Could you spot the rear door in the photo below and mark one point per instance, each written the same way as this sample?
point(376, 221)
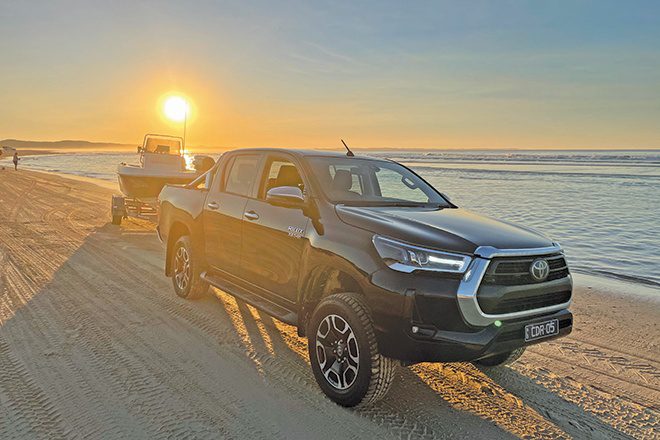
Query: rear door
point(274, 236)
point(223, 212)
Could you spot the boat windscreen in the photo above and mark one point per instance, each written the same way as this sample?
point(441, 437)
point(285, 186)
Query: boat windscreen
point(163, 145)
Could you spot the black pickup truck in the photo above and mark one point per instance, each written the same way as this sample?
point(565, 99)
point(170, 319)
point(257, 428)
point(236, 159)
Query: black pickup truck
point(370, 262)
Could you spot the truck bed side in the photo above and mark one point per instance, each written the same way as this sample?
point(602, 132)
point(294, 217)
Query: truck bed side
point(181, 210)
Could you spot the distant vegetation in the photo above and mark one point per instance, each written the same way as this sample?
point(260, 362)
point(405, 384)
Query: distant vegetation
point(64, 145)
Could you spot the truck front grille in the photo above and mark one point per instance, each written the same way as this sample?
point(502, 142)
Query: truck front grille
point(508, 286)
point(515, 271)
point(516, 303)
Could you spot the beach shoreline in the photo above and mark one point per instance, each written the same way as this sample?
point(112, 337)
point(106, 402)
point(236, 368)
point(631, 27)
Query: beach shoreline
point(107, 184)
point(86, 311)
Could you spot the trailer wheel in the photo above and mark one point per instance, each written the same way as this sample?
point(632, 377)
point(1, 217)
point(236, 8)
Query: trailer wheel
point(186, 271)
point(117, 209)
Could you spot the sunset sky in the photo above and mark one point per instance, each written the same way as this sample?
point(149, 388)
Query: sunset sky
point(461, 74)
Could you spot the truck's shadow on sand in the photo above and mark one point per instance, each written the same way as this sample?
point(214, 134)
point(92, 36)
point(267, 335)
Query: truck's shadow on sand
point(415, 402)
point(103, 335)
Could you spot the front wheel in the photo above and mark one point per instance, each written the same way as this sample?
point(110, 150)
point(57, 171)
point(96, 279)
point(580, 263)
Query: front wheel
point(186, 270)
point(343, 352)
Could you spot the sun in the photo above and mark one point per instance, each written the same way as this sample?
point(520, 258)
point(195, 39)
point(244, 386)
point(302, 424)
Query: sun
point(176, 108)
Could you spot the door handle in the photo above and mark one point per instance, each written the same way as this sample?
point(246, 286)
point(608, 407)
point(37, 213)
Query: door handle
point(213, 205)
point(251, 215)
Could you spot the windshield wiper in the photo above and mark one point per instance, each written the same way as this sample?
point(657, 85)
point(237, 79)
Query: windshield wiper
point(386, 204)
point(415, 205)
point(403, 204)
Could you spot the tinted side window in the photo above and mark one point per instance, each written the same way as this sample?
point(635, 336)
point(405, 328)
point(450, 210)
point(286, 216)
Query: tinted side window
point(242, 174)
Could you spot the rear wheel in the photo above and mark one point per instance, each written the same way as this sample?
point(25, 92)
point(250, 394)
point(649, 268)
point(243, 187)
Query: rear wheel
point(186, 270)
point(502, 358)
point(343, 352)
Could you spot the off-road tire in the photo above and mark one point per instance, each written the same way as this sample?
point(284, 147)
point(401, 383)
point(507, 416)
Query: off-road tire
point(116, 220)
point(375, 372)
point(194, 287)
point(501, 359)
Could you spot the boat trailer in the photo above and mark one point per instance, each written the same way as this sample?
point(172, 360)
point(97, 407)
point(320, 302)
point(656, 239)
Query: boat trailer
point(125, 207)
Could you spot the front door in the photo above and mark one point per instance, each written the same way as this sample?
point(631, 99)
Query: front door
point(223, 212)
point(274, 236)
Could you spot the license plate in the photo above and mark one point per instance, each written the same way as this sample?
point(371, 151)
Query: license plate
point(541, 330)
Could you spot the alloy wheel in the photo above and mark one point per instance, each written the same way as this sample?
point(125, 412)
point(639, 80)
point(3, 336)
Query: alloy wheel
point(182, 268)
point(337, 352)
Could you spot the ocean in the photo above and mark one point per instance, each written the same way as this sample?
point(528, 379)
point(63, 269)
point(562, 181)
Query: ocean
point(603, 207)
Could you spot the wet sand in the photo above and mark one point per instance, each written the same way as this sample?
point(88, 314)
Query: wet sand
point(95, 344)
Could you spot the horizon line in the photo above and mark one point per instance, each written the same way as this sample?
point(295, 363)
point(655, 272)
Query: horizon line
point(216, 147)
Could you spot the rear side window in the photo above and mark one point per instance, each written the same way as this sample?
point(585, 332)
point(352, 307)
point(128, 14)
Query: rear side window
point(241, 175)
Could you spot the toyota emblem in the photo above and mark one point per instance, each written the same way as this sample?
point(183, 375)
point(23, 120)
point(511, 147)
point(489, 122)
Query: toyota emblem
point(539, 269)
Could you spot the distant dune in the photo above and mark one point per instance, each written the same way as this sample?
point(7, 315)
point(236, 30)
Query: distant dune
point(64, 145)
point(77, 145)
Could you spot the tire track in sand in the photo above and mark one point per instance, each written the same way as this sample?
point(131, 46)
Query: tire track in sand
point(27, 412)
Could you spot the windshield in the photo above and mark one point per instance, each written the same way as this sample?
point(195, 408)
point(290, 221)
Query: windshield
point(163, 145)
point(357, 181)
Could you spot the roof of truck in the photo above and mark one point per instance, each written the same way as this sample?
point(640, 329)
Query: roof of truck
point(300, 152)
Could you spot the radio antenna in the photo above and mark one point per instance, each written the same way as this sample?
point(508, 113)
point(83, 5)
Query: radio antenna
point(349, 153)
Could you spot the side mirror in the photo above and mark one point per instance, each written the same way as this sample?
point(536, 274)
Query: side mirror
point(287, 196)
point(139, 149)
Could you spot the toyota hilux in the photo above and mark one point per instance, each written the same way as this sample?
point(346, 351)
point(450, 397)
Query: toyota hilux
point(370, 262)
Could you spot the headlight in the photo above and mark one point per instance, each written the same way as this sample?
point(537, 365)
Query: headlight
point(407, 258)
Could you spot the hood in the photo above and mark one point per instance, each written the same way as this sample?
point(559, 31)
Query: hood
point(449, 229)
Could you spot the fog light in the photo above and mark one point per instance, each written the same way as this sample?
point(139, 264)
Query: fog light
point(415, 329)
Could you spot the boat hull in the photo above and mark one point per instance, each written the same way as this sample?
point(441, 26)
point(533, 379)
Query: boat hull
point(147, 187)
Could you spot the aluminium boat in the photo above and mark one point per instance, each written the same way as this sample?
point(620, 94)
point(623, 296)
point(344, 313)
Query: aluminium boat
point(162, 162)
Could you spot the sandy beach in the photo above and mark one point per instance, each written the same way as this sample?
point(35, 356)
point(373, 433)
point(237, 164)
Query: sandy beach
point(95, 344)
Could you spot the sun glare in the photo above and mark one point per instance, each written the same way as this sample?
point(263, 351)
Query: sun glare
point(176, 108)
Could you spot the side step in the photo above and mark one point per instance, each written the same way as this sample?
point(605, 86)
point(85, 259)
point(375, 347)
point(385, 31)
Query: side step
point(273, 309)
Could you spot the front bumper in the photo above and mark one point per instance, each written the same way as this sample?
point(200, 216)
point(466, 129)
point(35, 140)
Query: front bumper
point(430, 344)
